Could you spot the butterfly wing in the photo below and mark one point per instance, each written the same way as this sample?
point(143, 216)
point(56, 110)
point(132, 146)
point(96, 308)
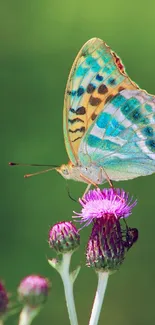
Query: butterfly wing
point(122, 139)
point(96, 76)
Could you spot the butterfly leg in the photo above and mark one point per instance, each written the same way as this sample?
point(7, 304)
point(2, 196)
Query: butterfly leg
point(103, 172)
point(87, 189)
point(89, 181)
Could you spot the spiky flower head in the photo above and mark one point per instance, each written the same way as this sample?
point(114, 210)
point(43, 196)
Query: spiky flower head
point(109, 241)
point(4, 301)
point(64, 237)
point(33, 290)
point(105, 204)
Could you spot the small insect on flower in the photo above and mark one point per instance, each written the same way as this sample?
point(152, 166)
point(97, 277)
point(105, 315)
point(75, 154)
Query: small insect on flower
point(131, 237)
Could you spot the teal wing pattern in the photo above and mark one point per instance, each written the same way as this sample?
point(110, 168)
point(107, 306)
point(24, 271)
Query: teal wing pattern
point(122, 138)
point(96, 76)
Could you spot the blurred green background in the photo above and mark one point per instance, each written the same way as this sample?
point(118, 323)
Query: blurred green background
point(38, 43)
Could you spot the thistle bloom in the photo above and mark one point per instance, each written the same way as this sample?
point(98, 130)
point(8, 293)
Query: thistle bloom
point(33, 290)
point(64, 237)
point(105, 204)
point(108, 241)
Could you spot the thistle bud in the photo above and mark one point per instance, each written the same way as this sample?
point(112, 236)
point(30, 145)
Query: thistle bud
point(64, 237)
point(33, 290)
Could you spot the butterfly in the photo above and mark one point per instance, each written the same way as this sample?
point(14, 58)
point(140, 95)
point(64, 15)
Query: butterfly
point(108, 121)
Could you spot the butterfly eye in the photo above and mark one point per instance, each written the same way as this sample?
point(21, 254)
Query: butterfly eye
point(65, 171)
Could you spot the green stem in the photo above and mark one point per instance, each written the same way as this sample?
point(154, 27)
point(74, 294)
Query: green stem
point(68, 288)
point(101, 288)
point(1, 322)
point(27, 315)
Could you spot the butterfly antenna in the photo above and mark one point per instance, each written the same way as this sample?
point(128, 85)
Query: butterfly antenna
point(38, 173)
point(34, 165)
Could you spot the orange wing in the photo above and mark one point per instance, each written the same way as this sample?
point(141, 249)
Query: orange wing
point(96, 76)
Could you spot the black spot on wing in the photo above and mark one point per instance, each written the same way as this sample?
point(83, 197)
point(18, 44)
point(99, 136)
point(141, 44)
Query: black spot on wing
point(94, 101)
point(79, 111)
point(93, 117)
point(76, 139)
point(99, 78)
point(80, 91)
point(82, 129)
point(71, 92)
point(90, 88)
point(74, 120)
point(102, 89)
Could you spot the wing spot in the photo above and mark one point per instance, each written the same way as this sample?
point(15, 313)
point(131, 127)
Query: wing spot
point(102, 89)
point(93, 117)
point(151, 144)
point(135, 115)
point(121, 88)
point(112, 81)
point(109, 98)
point(80, 91)
point(71, 92)
point(79, 111)
point(99, 78)
point(94, 101)
point(74, 120)
point(76, 139)
point(148, 131)
point(118, 62)
point(82, 129)
point(90, 88)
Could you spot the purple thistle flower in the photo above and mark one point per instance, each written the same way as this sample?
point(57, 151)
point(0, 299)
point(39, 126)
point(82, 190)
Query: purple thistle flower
point(105, 204)
point(33, 290)
point(109, 241)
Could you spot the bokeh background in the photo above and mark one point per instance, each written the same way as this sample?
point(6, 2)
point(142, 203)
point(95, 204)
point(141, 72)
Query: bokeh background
point(38, 43)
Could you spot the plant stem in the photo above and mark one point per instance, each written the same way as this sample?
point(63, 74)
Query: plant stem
point(1, 322)
point(101, 288)
point(27, 314)
point(68, 288)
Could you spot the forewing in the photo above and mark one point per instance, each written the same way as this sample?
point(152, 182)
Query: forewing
point(96, 76)
point(122, 139)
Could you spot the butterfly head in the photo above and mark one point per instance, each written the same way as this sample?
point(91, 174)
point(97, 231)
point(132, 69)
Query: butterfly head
point(65, 170)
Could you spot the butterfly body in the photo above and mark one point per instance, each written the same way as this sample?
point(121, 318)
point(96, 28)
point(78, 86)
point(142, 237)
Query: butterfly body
point(109, 122)
point(89, 174)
